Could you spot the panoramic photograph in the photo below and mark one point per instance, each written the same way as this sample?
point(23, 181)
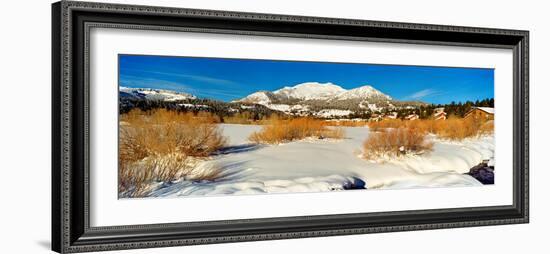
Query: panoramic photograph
point(197, 126)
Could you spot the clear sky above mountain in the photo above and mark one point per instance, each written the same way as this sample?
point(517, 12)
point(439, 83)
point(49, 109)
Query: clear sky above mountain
point(230, 79)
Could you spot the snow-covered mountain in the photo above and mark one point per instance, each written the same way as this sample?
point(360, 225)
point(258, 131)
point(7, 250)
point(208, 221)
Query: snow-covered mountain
point(314, 91)
point(310, 91)
point(261, 97)
point(153, 94)
point(325, 99)
point(301, 92)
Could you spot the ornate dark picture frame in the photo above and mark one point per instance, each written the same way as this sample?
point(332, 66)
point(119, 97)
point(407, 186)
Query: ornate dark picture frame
point(71, 230)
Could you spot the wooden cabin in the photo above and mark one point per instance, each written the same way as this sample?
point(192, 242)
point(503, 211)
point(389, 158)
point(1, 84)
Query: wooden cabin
point(412, 117)
point(439, 114)
point(485, 113)
point(375, 118)
point(391, 115)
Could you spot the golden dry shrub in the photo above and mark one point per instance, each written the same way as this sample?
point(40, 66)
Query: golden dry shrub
point(155, 145)
point(487, 127)
point(135, 178)
point(334, 133)
point(239, 118)
point(280, 131)
point(385, 124)
point(347, 123)
point(455, 128)
point(163, 132)
point(167, 167)
point(395, 142)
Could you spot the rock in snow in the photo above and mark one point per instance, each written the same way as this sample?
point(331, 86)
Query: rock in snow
point(483, 173)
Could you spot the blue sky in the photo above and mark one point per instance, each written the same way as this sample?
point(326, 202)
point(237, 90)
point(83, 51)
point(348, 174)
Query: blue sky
point(230, 79)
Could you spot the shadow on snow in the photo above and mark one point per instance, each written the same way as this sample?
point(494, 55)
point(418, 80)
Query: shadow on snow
point(237, 149)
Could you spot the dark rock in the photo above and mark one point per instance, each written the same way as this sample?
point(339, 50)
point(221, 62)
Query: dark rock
point(357, 184)
point(483, 173)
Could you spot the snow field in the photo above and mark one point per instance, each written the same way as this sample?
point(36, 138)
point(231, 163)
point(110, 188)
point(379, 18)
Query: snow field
point(313, 165)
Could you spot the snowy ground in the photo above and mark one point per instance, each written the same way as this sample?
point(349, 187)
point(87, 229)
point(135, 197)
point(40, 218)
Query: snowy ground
point(325, 165)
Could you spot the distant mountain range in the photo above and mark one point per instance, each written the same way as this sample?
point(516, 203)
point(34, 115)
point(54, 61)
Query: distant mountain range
point(313, 91)
point(326, 100)
point(310, 98)
point(153, 94)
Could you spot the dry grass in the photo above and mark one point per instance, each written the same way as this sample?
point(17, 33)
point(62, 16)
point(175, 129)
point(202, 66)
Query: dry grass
point(395, 142)
point(458, 128)
point(248, 118)
point(385, 124)
point(165, 132)
point(281, 131)
point(239, 118)
point(157, 145)
point(454, 128)
point(133, 180)
point(343, 123)
point(395, 137)
point(488, 127)
point(135, 176)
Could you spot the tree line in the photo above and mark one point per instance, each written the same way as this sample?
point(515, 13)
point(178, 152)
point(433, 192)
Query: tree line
point(258, 112)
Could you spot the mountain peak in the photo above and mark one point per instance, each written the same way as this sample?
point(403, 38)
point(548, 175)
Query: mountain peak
point(310, 91)
point(365, 87)
point(320, 95)
point(316, 84)
point(260, 97)
point(363, 92)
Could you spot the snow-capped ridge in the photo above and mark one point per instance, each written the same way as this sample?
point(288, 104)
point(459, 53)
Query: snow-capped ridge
point(315, 96)
point(362, 92)
point(260, 97)
point(154, 94)
point(310, 91)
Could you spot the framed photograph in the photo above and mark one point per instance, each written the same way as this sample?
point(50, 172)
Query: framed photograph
point(181, 126)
